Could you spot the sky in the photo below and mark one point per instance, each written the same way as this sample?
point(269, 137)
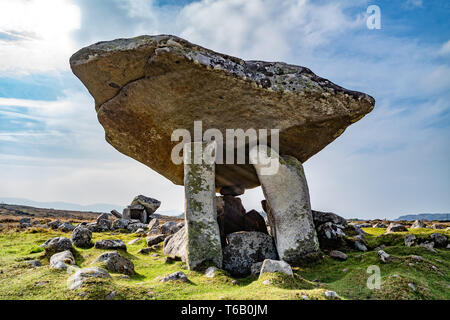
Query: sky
point(394, 161)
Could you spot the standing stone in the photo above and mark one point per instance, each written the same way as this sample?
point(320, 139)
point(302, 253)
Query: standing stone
point(288, 197)
point(202, 229)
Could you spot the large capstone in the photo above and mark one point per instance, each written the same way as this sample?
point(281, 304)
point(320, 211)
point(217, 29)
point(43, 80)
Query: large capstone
point(203, 236)
point(286, 192)
point(146, 87)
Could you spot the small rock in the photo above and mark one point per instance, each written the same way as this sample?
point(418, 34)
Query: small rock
point(266, 282)
point(331, 294)
point(256, 268)
point(66, 227)
point(384, 257)
point(114, 262)
point(380, 225)
point(62, 259)
point(338, 255)
point(437, 226)
point(81, 237)
point(211, 272)
point(120, 224)
point(276, 266)
point(153, 226)
point(394, 227)
point(151, 240)
point(412, 286)
point(54, 224)
point(133, 227)
point(360, 246)
point(428, 245)
point(56, 245)
point(440, 240)
point(110, 244)
point(345, 270)
point(81, 276)
point(134, 241)
point(234, 282)
point(110, 295)
point(410, 240)
point(305, 297)
point(418, 224)
point(34, 263)
point(179, 275)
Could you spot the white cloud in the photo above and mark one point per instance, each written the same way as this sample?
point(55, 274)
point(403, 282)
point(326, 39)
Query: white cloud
point(445, 49)
point(38, 35)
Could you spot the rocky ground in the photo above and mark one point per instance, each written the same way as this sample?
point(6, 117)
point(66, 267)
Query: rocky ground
point(42, 259)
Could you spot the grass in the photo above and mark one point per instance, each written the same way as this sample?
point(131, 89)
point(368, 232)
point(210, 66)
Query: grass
point(348, 278)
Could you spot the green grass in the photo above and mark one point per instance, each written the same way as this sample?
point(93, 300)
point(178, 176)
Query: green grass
point(20, 281)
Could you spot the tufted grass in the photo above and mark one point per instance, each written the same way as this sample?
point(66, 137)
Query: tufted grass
point(20, 281)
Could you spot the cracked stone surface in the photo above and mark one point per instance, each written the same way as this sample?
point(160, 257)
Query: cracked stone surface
point(148, 86)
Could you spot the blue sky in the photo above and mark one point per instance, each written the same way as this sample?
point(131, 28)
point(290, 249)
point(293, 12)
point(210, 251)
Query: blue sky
point(392, 162)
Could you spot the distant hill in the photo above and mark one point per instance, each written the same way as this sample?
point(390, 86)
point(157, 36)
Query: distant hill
point(98, 207)
point(426, 216)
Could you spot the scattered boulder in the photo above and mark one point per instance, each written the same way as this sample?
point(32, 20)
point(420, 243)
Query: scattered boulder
point(81, 237)
point(357, 228)
point(56, 245)
point(150, 205)
point(410, 240)
point(359, 245)
point(330, 236)
point(54, 224)
point(270, 265)
point(110, 244)
point(134, 241)
point(176, 276)
point(428, 245)
point(384, 257)
point(365, 225)
point(77, 280)
point(104, 224)
point(34, 263)
point(379, 225)
point(338, 255)
point(115, 262)
point(438, 226)
point(62, 259)
point(320, 217)
point(151, 240)
point(134, 226)
point(175, 245)
point(211, 272)
point(120, 224)
point(440, 240)
point(418, 224)
point(395, 227)
point(103, 216)
point(25, 222)
point(116, 214)
point(331, 294)
point(66, 227)
point(167, 228)
point(153, 226)
point(246, 248)
point(232, 190)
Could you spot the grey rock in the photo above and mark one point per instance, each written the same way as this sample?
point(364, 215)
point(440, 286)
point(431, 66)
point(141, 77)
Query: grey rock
point(116, 214)
point(418, 224)
point(365, 225)
point(77, 280)
point(66, 227)
point(104, 225)
point(103, 216)
point(440, 240)
point(395, 227)
point(276, 266)
point(245, 249)
point(120, 224)
point(110, 244)
point(410, 240)
point(437, 226)
point(232, 191)
point(34, 263)
point(379, 225)
point(81, 237)
point(166, 228)
point(62, 260)
point(357, 228)
point(111, 295)
point(331, 294)
point(256, 268)
point(384, 257)
point(150, 204)
point(153, 226)
point(175, 245)
point(151, 240)
point(133, 227)
point(176, 276)
point(25, 222)
point(54, 224)
point(320, 217)
point(338, 255)
point(56, 245)
point(287, 195)
point(115, 262)
point(360, 246)
point(134, 241)
point(412, 286)
point(428, 245)
point(211, 272)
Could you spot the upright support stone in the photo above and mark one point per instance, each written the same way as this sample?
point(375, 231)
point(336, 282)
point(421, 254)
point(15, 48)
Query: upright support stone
point(203, 236)
point(286, 191)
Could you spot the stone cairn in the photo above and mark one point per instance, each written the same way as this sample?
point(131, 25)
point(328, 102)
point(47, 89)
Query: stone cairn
point(147, 87)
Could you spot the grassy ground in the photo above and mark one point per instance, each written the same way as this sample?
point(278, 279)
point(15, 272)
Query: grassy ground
point(431, 276)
